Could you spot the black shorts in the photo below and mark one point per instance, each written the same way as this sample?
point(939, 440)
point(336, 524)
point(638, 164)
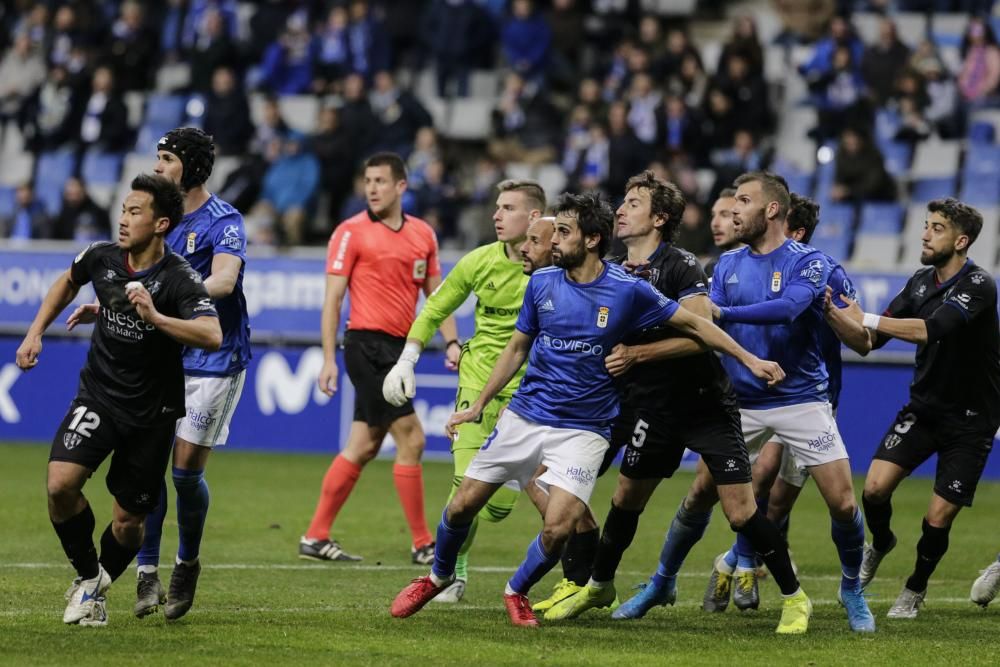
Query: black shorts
point(368, 357)
point(962, 444)
point(88, 434)
point(654, 445)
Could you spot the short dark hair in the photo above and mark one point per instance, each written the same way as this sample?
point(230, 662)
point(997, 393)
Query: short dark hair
point(665, 200)
point(593, 215)
point(774, 187)
point(531, 190)
point(391, 160)
point(803, 213)
point(963, 216)
point(727, 193)
point(168, 200)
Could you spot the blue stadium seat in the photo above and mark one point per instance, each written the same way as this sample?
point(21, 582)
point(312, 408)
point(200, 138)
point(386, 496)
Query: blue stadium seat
point(982, 159)
point(165, 110)
point(7, 201)
point(51, 173)
point(898, 156)
point(799, 181)
point(835, 230)
point(881, 218)
point(980, 191)
point(887, 122)
point(926, 189)
point(982, 132)
point(100, 168)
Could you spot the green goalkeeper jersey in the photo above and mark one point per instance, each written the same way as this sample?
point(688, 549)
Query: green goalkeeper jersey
point(498, 284)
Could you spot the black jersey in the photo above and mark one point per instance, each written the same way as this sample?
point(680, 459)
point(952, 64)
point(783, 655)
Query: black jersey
point(958, 369)
point(683, 384)
point(134, 370)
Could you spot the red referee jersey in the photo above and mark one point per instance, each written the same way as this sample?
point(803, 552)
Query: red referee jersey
point(385, 270)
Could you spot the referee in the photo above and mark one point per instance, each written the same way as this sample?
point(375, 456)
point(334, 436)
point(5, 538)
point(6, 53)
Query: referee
point(385, 258)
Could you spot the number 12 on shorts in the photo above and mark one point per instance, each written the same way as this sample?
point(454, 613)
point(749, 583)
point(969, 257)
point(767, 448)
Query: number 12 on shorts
point(84, 421)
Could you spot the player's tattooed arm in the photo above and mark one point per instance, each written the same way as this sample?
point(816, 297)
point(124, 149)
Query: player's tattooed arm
point(623, 357)
point(510, 361)
point(60, 295)
point(850, 332)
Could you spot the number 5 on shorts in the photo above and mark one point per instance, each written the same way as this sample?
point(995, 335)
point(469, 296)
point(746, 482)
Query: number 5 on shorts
point(639, 434)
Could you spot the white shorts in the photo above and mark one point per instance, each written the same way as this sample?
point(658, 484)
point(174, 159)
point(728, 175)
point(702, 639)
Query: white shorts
point(210, 403)
point(516, 448)
point(790, 471)
point(809, 431)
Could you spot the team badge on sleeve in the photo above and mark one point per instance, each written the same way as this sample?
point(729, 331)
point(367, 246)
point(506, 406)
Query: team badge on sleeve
point(813, 273)
point(602, 317)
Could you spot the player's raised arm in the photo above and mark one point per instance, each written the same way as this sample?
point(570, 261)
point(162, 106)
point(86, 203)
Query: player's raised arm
point(714, 337)
point(849, 331)
point(60, 295)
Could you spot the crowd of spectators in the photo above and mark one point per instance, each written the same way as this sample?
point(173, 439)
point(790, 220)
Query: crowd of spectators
point(599, 88)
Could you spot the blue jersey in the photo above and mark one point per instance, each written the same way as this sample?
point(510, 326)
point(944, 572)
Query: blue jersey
point(743, 279)
point(574, 326)
point(840, 283)
point(217, 227)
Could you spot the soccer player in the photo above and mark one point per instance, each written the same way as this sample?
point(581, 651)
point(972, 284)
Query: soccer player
point(786, 478)
point(560, 415)
point(723, 231)
point(949, 310)
point(987, 585)
point(670, 404)
point(496, 275)
point(131, 391)
point(385, 258)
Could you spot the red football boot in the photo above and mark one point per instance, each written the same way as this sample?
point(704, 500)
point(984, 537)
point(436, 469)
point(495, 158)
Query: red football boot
point(412, 598)
point(519, 610)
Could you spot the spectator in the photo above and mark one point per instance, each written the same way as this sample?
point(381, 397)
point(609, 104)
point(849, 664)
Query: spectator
point(80, 219)
point(399, 115)
point(227, 114)
point(689, 83)
point(104, 124)
point(475, 221)
point(884, 61)
point(437, 199)
point(54, 114)
point(678, 47)
point(356, 202)
point(266, 26)
point(859, 173)
point(526, 38)
point(288, 194)
point(744, 43)
point(589, 95)
point(288, 62)
point(357, 117)
point(213, 48)
point(616, 70)
point(465, 26)
point(194, 19)
point(524, 125)
point(942, 93)
point(718, 120)
point(626, 154)
point(65, 36)
point(679, 131)
point(271, 127)
point(425, 151)
point(980, 73)
point(566, 20)
point(803, 21)
point(370, 48)
point(913, 125)
point(22, 71)
point(644, 101)
point(821, 64)
point(333, 55)
point(651, 38)
point(577, 138)
point(839, 96)
point(335, 149)
point(34, 24)
point(133, 48)
point(749, 95)
point(729, 163)
point(28, 220)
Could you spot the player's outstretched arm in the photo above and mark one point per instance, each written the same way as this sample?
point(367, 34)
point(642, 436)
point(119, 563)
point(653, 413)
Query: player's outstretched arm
point(850, 332)
point(60, 295)
point(711, 335)
point(510, 361)
point(333, 301)
point(623, 357)
point(910, 329)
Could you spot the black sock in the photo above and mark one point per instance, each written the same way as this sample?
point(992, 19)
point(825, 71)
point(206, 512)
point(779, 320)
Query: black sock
point(115, 557)
point(771, 548)
point(930, 550)
point(77, 537)
point(579, 556)
point(878, 516)
point(619, 529)
point(783, 526)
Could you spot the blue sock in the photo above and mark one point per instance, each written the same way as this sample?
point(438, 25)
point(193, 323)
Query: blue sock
point(685, 531)
point(192, 508)
point(849, 536)
point(450, 539)
point(149, 553)
point(731, 558)
point(536, 565)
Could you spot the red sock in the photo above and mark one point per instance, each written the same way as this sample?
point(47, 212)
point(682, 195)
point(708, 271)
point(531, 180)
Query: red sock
point(410, 487)
point(337, 485)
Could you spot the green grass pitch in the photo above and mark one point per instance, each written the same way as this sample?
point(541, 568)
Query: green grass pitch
point(258, 604)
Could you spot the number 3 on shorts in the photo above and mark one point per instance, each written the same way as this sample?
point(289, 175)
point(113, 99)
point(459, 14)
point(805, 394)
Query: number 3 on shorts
point(639, 434)
point(489, 440)
point(905, 424)
point(84, 421)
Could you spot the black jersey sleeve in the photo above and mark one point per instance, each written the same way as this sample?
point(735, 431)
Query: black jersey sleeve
point(899, 308)
point(80, 271)
point(190, 298)
point(689, 278)
point(971, 296)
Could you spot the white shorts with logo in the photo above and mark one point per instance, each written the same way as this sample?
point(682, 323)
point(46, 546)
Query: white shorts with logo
point(210, 403)
point(517, 446)
point(807, 431)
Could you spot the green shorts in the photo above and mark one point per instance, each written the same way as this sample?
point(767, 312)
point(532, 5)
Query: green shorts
point(472, 435)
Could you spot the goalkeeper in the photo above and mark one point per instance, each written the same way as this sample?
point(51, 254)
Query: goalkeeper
point(497, 274)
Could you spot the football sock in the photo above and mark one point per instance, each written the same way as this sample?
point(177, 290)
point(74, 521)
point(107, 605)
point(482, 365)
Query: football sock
point(410, 487)
point(536, 565)
point(500, 506)
point(746, 555)
point(930, 549)
point(730, 558)
point(462, 562)
point(685, 531)
point(783, 523)
point(77, 537)
point(115, 556)
point(149, 553)
point(878, 516)
point(849, 536)
point(450, 538)
point(767, 542)
point(578, 556)
point(192, 508)
point(619, 531)
point(338, 483)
